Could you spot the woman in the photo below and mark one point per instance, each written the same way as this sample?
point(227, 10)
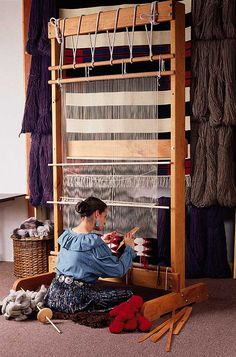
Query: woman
point(84, 257)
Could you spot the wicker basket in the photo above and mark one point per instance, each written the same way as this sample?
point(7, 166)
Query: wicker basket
point(31, 255)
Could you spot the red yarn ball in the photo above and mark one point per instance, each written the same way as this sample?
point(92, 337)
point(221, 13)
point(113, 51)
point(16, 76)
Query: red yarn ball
point(144, 324)
point(136, 302)
point(117, 309)
point(116, 326)
point(126, 314)
point(131, 325)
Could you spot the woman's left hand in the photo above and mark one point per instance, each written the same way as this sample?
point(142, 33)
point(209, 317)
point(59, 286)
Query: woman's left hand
point(107, 238)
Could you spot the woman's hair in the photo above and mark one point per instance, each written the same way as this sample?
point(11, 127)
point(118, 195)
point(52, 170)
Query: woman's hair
point(91, 204)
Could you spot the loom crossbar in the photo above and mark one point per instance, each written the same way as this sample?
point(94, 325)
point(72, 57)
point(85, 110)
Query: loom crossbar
point(110, 77)
point(113, 62)
point(160, 149)
point(107, 19)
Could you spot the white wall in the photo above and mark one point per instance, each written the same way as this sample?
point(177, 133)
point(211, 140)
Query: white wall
point(12, 97)
point(12, 214)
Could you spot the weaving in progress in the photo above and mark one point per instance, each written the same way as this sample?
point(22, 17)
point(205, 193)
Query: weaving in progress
point(111, 139)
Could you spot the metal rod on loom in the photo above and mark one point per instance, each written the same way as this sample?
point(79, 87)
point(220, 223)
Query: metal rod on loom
point(110, 163)
point(110, 77)
point(113, 62)
point(113, 204)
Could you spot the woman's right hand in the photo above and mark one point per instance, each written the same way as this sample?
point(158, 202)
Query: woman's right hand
point(129, 240)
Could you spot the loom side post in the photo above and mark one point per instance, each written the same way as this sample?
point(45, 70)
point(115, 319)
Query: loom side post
point(177, 143)
point(57, 146)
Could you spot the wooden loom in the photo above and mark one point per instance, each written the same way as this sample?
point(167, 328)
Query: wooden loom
point(172, 279)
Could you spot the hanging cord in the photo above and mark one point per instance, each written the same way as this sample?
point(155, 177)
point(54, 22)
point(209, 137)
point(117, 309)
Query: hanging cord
point(61, 58)
point(159, 72)
point(161, 68)
point(75, 46)
point(166, 279)
point(111, 45)
point(93, 44)
point(149, 33)
point(56, 24)
point(131, 41)
point(123, 67)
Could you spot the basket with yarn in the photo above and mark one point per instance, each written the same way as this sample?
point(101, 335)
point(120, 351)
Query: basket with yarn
point(32, 243)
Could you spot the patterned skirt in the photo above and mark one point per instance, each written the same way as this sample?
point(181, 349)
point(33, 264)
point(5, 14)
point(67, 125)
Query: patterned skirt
point(71, 298)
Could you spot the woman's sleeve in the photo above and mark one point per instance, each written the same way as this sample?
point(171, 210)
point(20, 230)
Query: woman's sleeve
point(108, 265)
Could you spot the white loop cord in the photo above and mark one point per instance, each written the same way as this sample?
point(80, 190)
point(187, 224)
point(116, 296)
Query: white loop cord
point(75, 46)
point(93, 45)
point(111, 45)
point(149, 33)
point(161, 68)
point(131, 42)
point(166, 278)
point(123, 68)
point(153, 13)
point(56, 24)
point(61, 58)
point(149, 39)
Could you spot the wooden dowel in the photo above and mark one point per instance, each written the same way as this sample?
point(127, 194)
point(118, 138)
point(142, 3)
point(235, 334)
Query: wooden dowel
point(158, 328)
point(114, 204)
point(183, 321)
point(169, 337)
point(110, 164)
point(111, 77)
point(113, 62)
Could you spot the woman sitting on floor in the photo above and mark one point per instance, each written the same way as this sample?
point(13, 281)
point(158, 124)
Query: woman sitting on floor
point(84, 257)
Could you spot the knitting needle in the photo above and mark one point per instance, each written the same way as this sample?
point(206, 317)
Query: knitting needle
point(158, 328)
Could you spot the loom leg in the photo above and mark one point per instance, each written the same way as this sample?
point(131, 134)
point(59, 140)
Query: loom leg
point(155, 308)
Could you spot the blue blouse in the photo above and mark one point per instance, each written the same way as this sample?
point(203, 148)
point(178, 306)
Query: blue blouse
point(86, 257)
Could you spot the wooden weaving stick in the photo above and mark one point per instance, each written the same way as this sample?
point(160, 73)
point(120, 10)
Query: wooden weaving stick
point(158, 328)
point(170, 334)
point(132, 231)
point(183, 321)
point(157, 336)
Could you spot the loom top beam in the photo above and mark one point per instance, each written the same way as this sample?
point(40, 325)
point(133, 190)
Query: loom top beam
point(107, 19)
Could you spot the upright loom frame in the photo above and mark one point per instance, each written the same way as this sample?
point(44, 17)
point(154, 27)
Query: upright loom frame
point(173, 278)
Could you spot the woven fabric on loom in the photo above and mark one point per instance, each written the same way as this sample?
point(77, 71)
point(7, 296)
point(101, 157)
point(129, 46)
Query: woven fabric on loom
point(93, 101)
point(161, 44)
